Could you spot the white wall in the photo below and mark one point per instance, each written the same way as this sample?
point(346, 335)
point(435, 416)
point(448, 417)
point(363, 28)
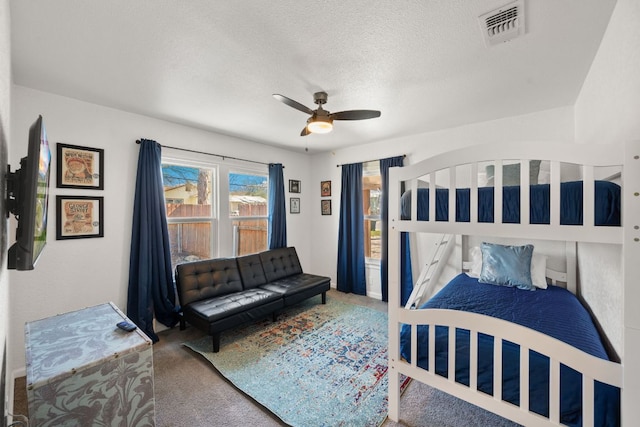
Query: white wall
point(549, 125)
point(5, 86)
point(74, 274)
point(608, 111)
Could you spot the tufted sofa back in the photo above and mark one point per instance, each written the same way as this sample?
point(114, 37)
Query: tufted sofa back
point(280, 263)
point(251, 271)
point(200, 280)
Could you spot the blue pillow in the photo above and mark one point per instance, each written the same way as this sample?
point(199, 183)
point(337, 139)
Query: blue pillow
point(506, 265)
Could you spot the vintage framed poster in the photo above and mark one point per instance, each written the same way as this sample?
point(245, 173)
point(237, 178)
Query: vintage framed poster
point(325, 188)
point(294, 205)
point(294, 186)
point(326, 206)
point(79, 217)
point(80, 167)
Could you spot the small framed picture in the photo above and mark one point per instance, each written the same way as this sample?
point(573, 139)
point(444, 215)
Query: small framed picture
point(326, 207)
point(80, 167)
point(325, 188)
point(79, 217)
point(294, 205)
point(294, 186)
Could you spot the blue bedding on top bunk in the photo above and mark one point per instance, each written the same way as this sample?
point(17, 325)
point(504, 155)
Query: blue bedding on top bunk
point(607, 204)
point(553, 311)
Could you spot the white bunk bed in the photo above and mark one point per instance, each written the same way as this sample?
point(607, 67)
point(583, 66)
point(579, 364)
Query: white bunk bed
point(467, 162)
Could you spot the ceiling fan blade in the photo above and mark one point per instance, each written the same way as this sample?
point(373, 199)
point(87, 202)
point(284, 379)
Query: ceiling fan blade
point(355, 115)
point(305, 132)
point(291, 103)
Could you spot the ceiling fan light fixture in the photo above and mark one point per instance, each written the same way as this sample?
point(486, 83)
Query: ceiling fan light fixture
point(320, 125)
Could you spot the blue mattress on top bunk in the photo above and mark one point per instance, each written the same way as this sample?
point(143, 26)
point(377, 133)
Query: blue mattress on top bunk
point(607, 204)
point(553, 311)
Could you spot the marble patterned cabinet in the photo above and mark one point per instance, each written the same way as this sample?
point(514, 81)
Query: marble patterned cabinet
point(84, 371)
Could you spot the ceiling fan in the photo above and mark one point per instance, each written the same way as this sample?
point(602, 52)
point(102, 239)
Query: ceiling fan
point(321, 120)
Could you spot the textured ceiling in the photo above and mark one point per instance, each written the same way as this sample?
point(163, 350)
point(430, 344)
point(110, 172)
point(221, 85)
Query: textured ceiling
point(215, 64)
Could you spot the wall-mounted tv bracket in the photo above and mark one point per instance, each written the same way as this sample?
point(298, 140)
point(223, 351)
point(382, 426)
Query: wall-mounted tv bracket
point(13, 191)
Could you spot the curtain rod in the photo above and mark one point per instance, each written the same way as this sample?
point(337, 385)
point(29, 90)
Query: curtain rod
point(211, 154)
point(367, 161)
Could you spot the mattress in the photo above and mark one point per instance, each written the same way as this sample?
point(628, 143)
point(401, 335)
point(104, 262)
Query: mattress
point(606, 211)
point(553, 311)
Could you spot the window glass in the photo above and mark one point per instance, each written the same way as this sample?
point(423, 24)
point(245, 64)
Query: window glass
point(190, 241)
point(188, 193)
point(248, 209)
point(250, 236)
point(372, 191)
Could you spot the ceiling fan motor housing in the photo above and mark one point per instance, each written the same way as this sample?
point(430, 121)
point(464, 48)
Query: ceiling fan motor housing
point(320, 97)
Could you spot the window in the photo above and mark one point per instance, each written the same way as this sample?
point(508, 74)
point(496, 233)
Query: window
point(371, 192)
point(198, 196)
point(248, 211)
point(188, 192)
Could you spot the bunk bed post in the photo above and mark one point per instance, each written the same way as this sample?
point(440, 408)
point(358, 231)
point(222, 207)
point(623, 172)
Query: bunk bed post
point(631, 292)
point(395, 290)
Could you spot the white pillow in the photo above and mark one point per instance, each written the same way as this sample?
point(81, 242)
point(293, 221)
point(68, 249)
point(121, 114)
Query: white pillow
point(539, 271)
point(476, 262)
point(538, 267)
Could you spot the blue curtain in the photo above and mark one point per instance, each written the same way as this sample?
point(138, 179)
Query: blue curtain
point(151, 286)
point(351, 268)
point(277, 231)
point(385, 164)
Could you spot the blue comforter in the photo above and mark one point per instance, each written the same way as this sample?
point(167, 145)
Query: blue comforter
point(607, 204)
point(553, 311)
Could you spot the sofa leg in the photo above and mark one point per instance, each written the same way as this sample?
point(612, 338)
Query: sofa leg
point(274, 316)
point(324, 297)
point(183, 323)
point(216, 342)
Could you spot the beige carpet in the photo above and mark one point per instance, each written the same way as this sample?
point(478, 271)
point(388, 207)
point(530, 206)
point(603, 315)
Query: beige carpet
point(190, 392)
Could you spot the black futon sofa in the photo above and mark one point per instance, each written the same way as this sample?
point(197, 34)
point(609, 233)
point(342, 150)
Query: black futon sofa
point(219, 294)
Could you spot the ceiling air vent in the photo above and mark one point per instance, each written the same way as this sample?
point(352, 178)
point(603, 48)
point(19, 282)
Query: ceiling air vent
point(503, 24)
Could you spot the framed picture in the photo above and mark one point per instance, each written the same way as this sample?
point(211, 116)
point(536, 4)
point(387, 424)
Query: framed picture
point(326, 207)
point(79, 217)
point(80, 167)
point(325, 188)
point(294, 205)
point(294, 186)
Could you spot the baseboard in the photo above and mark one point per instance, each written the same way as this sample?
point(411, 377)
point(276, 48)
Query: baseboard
point(375, 295)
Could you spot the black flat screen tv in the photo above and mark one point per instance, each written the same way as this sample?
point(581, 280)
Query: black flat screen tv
point(28, 200)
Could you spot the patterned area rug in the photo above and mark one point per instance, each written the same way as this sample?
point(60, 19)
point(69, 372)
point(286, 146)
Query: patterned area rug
point(317, 365)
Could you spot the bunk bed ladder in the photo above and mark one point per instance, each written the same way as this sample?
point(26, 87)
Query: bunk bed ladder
point(430, 272)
